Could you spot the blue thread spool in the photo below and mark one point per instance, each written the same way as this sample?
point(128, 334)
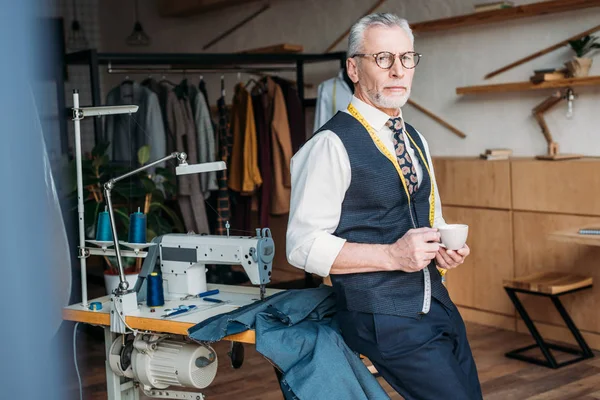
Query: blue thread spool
point(154, 294)
point(103, 229)
point(137, 227)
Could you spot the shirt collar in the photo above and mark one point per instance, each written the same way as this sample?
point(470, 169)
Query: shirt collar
point(374, 117)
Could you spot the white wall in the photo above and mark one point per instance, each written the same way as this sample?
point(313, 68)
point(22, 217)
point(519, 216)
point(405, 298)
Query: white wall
point(452, 58)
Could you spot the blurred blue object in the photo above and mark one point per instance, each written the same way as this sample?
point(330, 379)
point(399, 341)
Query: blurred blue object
point(36, 259)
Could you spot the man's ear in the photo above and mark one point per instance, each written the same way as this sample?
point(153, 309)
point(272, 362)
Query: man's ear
point(352, 68)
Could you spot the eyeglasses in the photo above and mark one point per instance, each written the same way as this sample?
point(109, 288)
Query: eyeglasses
point(385, 59)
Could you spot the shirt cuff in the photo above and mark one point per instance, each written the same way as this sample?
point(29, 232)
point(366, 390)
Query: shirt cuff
point(323, 253)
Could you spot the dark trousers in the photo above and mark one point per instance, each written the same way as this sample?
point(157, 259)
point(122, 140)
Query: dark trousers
point(424, 358)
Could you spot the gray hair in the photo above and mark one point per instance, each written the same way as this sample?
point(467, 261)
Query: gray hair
point(357, 32)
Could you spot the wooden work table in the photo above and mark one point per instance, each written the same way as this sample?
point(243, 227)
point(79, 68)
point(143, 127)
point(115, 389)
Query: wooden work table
point(145, 320)
point(573, 236)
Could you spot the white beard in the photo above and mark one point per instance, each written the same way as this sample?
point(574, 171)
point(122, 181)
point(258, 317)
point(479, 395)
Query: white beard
point(389, 101)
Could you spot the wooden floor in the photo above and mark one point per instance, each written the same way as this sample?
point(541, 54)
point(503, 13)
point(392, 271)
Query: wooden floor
point(501, 377)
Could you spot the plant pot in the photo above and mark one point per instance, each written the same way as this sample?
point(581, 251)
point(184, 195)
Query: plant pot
point(579, 67)
point(111, 280)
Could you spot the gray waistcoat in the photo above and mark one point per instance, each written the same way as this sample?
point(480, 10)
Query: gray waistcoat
point(376, 210)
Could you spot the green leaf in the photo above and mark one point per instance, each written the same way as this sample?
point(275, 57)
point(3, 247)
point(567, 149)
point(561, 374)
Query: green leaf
point(150, 234)
point(144, 154)
point(100, 148)
point(148, 184)
point(130, 192)
point(158, 196)
point(166, 172)
point(123, 218)
point(178, 225)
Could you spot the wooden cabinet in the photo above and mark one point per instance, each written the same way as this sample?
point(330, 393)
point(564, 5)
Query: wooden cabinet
point(512, 207)
point(478, 282)
point(566, 187)
point(470, 182)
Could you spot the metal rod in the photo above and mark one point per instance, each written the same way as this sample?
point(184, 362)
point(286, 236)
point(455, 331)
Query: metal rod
point(236, 26)
point(80, 208)
point(123, 284)
point(531, 327)
point(587, 352)
point(204, 59)
point(142, 168)
point(95, 85)
point(300, 79)
point(108, 186)
point(251, 70)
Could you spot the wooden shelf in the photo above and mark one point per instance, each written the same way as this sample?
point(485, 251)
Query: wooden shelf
point(522, 86)
point(507, 14)
point(572, 236)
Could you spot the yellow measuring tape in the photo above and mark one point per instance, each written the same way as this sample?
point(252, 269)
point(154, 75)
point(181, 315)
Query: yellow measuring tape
point(354, 112)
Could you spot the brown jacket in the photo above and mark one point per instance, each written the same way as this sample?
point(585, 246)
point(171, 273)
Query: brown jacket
point(244, 174)
point(282, 149)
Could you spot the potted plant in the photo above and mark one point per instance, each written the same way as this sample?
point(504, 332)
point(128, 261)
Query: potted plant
point(580, 65)
point(140, 191)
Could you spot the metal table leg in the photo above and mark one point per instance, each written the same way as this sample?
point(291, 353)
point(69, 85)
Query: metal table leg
point(117, 388)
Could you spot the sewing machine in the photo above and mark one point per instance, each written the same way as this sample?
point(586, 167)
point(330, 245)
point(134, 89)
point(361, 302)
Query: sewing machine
point(154, 361)
point(183, 259)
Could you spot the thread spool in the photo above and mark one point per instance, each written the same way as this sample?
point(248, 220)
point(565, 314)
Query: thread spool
point(154, 295)
point(103, 229)
point(137, 227)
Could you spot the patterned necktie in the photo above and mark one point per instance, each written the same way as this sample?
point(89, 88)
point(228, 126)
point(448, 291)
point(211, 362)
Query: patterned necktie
point(404, 160)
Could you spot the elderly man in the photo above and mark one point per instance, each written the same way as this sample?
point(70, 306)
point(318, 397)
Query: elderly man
point(364, 208)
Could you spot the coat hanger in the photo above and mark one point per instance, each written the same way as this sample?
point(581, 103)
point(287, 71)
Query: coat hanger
point(165, 80)
point(127, 81)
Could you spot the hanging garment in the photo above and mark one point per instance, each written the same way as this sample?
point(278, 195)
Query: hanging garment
point(333, 95)
point(281, 149)
point(166, 98)
point(224, 137)
point(127, 133)
point(244, 175)
point(260, 103)
point(295, 112)
point(189, 196)
point(205, 140)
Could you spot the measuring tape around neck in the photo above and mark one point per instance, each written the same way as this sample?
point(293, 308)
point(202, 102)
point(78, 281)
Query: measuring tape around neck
point(354, 112)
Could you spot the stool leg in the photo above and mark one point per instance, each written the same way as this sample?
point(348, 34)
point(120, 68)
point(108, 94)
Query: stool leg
point(532, 329)
point(587, 352)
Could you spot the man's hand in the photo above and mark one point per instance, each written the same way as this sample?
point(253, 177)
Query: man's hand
point(415, 250)
point(448, 259)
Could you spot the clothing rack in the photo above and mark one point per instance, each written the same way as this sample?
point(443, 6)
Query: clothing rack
point(190, 62)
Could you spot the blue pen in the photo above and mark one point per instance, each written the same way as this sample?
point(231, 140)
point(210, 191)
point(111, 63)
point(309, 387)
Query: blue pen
point(209, 293)
point(180, 311)
point(212, 300)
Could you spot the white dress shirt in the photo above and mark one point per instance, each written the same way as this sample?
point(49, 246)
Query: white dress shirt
point(321, 176)
point(333, 95)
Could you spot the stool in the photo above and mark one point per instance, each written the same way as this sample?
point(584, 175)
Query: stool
point(553, 285)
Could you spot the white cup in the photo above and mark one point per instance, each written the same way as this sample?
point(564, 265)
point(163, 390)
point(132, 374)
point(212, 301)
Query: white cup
point(453, 236)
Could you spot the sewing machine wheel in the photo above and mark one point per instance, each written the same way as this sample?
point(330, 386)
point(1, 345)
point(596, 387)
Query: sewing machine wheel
point(126, 354)
point(236, 353)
